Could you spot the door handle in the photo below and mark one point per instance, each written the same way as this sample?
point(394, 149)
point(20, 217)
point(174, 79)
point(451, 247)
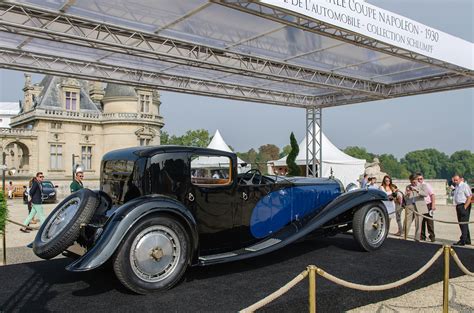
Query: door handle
point(190, 197)
point(245, 196)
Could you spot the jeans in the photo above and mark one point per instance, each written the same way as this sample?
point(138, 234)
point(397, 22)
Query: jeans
point(36, 209)
point(463, 216)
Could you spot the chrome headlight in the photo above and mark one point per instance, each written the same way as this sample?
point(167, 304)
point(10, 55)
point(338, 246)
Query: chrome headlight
point(52, 193)
point(351, 187)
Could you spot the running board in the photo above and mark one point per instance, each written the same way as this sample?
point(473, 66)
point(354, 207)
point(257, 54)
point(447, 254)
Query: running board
point(263, 245)
point(217, 256)
point(257, 247)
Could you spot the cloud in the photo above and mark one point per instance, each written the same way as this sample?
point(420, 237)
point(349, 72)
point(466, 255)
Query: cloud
point(382, 129)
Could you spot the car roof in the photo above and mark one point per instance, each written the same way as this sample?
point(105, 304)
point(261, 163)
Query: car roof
point(147, 151)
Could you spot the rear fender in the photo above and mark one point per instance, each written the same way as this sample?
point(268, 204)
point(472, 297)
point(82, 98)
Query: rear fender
point(123, 219)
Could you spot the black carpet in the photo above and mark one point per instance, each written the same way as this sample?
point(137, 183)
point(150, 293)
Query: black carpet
point(46, 287)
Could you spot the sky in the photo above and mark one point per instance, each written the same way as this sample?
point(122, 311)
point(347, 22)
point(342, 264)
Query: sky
point(444, 121)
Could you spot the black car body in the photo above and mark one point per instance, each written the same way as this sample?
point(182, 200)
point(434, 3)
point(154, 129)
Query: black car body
point(49, 192)
point(160, 203)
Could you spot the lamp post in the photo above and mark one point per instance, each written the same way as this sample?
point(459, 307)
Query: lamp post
point(4, 168)
point(12, 171)
point(74, 164)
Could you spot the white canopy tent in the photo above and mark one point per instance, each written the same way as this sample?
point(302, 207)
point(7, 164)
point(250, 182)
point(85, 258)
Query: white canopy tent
point(218, 143)
point(344, 167)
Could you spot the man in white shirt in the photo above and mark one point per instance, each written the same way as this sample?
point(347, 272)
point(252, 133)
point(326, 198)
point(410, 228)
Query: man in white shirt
point(462, 200)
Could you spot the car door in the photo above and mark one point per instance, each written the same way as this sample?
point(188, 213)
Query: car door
point(212, 199)
point(264, 207)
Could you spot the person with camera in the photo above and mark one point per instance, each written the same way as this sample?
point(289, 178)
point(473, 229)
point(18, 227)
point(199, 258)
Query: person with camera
point(430, 204)
point(415, 194)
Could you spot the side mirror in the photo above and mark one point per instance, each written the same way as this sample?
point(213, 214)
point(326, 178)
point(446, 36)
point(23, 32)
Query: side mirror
point(24, 187)
point(56, 186)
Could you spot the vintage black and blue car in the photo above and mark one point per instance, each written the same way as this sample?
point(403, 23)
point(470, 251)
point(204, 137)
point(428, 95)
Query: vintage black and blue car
point(162, 209)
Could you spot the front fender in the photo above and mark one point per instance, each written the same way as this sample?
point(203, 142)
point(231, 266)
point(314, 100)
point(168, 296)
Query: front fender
point(347, 201)
point(123, 219)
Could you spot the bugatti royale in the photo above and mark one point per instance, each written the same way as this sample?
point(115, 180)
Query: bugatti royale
point(162, 209)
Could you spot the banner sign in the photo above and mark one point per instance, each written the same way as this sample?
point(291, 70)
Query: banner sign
point(388, 27)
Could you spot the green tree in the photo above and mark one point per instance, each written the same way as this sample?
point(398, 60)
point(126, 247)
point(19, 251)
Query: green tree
point(164, 138)
point(430, 162)
point(461, 162)
point(359, 153)
point(268, 152)
point(392, 166)
point(285, 151)
point(293, 168)
point(192, 138)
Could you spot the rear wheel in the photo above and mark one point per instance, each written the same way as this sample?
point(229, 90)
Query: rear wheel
point(370, 226)
point(153, 256)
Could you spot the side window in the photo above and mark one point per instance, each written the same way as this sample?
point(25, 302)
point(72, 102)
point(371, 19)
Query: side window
point(211, 170)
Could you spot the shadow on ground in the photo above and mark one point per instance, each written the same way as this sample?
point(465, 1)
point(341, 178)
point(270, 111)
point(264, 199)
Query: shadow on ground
point(45, 286)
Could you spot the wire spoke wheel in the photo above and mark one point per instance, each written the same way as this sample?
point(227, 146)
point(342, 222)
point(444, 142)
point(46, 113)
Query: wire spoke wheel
point(60, 219)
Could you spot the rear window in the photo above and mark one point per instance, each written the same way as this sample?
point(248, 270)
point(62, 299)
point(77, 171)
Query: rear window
point(121, 180)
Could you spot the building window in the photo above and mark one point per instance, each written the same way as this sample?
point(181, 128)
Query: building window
point(86, 156)
point(87, 127)
point(71, 100)
point(145, 141)
point(56, 157)
point(145, 101)
point(56, 125)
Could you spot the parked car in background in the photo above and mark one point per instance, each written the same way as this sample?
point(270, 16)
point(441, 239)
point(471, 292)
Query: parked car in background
point(162, 209)
point(49, 192)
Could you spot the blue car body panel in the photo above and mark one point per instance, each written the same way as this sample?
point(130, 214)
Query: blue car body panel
point(281, 207)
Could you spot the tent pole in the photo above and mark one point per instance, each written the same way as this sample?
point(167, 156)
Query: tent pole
point(313, 141)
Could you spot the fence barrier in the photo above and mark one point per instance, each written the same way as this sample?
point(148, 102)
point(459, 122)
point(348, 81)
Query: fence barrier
point(437, 220)
point(313, 271)
point(405, 230)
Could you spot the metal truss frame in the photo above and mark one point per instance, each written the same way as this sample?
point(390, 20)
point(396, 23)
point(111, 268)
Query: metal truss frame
point(61, 27)
point(72, 67)
point(320, 27)
point(314, 140)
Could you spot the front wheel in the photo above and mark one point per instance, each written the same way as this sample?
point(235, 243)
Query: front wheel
point(153, 256)
point(370, 226)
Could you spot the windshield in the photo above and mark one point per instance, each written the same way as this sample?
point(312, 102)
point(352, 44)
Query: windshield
point(47, 184)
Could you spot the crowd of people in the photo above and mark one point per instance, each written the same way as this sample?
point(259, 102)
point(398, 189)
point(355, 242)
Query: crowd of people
point(418, 197)
point(34, 194)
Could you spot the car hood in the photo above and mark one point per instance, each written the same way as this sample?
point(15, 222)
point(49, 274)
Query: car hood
point(311, 181)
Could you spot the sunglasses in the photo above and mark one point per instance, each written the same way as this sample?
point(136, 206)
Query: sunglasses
point(41, 176)
point(80, 176)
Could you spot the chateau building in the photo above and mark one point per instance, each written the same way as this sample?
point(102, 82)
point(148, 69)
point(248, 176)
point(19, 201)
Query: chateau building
point(64, 121)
